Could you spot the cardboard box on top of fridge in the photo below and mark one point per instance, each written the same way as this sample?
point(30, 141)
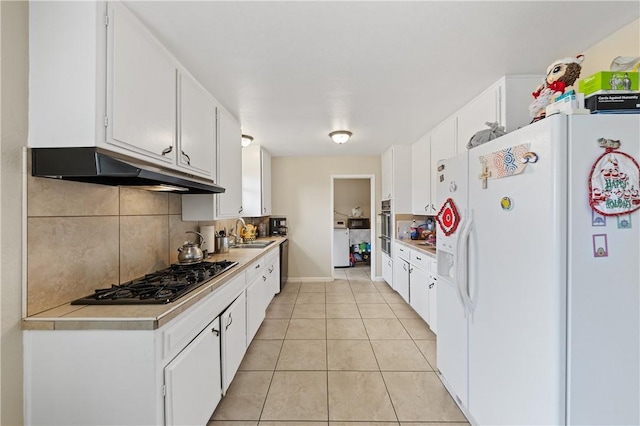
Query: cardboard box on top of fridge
point(608, 80)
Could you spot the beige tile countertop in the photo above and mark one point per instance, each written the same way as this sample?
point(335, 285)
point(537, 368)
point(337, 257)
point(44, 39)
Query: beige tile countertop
point(418, 245)
point(143, 317)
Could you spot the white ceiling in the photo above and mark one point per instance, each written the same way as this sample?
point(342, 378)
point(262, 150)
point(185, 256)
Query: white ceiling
point(294, 71)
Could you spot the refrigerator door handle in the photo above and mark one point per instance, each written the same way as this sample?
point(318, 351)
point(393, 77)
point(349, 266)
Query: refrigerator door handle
point(463, 265)
point(458, 271)
point(473, 250)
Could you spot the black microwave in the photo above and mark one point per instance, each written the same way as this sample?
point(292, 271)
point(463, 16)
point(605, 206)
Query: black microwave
point(358, 223)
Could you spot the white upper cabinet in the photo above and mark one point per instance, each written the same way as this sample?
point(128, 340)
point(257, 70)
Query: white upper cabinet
point(387, 174)
point(396, 177)
point(229, 204)
point(421, 176)
point(99, 78)
point(197, 128)
point(141, 89)
point(505, 102)
point(228, 175)
point(443, 146)
point(472, 118)
point(67, 74)
point(266, 183)
point(256, 181)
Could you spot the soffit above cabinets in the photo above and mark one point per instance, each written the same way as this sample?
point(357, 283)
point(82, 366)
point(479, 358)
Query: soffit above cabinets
point(292, 72)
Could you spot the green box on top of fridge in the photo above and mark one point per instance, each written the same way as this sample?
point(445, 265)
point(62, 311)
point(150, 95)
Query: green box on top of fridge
point(609, 80)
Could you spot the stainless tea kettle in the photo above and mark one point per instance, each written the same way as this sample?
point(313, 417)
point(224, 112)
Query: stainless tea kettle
point(191, 252)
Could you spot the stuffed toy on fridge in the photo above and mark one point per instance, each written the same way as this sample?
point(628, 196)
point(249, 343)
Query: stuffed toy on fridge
point(560, 75)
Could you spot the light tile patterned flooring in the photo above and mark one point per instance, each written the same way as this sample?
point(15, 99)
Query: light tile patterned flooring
point(331, 353)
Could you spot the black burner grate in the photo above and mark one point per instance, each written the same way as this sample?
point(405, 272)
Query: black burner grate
point(163, 286)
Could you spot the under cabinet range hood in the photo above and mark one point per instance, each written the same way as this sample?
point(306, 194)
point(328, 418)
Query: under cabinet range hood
point(91, 165)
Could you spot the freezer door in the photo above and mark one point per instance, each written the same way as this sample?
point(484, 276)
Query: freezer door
point(517, 273)
point(452, 348)
point(452, 342)
point(452, 181)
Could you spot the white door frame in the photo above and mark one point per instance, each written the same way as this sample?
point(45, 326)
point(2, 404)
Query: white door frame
point(372, 200)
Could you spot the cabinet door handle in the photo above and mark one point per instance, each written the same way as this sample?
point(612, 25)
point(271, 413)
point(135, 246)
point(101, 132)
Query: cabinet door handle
point(419, 258)
point(431, 285)
point(410, 270)
point(215, 331)
point(167, 150)
point(426, 208)
point(257, 266)
point(229, 322)
point(264, 278)
point(240, 211)
point(188, 159)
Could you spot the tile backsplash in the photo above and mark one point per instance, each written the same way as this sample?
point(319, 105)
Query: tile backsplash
point(82, 236)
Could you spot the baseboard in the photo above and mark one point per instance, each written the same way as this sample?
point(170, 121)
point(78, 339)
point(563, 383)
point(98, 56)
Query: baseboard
point(309, 279)
point(321, 279)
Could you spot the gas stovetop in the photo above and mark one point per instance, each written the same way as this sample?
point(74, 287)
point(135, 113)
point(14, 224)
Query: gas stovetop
point(163, 286)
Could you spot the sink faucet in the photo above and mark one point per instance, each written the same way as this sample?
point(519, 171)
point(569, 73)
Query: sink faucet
point(237, 234)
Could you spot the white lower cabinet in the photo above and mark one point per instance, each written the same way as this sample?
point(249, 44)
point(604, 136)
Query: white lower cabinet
point(433, 297)
point(273, 275)
point(401, 277)
point(256, 291)
point(387, 269)
point(422, 286)
point(173, 375)
point(419, 288)
point(233, 324)
point(192, 380)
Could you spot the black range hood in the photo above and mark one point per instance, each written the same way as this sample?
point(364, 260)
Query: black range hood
point(91, 165)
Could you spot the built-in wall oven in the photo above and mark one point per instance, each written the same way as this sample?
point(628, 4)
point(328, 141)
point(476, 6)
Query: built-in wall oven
point(385, 227)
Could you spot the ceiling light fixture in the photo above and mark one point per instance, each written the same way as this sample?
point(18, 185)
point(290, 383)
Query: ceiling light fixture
point(340, 136)
point(246, 140)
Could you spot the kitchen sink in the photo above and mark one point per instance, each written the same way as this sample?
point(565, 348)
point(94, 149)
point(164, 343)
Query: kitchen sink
point(254, 244)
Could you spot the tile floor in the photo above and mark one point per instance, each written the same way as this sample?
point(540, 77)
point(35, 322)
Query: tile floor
point(345, 351)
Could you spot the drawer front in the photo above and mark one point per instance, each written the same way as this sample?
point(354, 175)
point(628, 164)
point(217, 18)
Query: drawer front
point(272, 257)
point(178, 333)
point(420, 260)
point(402, 252)
point(255, 269)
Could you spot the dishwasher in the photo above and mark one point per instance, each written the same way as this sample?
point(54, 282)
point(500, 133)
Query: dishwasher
point(284, 262)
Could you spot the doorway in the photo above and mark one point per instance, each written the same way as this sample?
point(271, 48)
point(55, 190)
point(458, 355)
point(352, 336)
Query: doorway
point(353, 248)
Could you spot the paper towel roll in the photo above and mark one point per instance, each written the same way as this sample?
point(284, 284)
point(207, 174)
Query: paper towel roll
point(209, 234)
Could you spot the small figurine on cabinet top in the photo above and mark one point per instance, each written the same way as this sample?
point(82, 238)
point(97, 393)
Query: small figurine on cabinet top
point(560, 74)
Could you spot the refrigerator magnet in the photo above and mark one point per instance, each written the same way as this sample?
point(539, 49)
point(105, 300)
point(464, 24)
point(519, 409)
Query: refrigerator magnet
point(600, 248)
point(506, 203)
point(597, 219)
point(624, 222)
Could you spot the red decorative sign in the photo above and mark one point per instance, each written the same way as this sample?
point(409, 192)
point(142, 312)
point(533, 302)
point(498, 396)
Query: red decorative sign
point(614, 184)
point(448, 217)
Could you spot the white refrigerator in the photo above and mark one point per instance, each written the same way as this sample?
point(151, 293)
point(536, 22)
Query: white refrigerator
point(341, 250)
point(539, 296)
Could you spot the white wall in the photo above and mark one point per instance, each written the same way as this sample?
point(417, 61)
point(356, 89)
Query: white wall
point(301, 188)
point(624, 42)
point(350, 193)
point(14, 28)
